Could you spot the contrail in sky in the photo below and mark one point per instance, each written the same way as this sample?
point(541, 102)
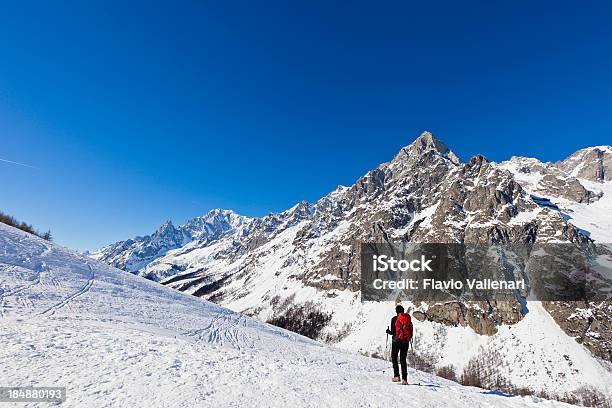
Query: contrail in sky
point(17, 163)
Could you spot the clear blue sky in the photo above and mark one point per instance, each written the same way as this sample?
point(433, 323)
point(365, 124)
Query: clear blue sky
point(136, 113)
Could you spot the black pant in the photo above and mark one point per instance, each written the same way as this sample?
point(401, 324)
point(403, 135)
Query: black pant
point(400, 347)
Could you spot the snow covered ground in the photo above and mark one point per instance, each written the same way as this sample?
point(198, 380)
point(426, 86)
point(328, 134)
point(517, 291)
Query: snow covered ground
point(115, 339)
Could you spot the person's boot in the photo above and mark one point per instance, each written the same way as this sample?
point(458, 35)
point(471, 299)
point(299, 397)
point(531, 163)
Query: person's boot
point(395, 379)
point(404, 382)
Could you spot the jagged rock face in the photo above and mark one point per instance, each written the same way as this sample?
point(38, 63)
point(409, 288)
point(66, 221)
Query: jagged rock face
point(481, 317)
point(552, 180)
point(424, 194)
point(593, 163)
point(569, 188)
point(590, 324)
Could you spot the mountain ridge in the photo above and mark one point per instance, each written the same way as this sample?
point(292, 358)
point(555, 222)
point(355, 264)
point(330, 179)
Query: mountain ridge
point(424, 143)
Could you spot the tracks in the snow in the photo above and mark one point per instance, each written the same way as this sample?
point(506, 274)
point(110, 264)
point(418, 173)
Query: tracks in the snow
point(67, 300)
point(35, 263)
point(4, 293)
point(2, 302)
point(233, 330)
point(225, 329)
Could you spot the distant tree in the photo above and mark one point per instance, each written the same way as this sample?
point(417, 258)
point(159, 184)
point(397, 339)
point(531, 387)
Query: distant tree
point(305, 319)
point(12, 221)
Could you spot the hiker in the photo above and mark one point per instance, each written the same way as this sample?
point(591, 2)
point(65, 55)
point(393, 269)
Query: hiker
point(401, 330)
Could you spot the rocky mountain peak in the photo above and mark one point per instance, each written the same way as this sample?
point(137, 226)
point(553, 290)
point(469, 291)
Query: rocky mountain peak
point(212, 224)
point(218, 215)
point(478, 160)
point(303, 207)
point(165, 229)
point(427, 142)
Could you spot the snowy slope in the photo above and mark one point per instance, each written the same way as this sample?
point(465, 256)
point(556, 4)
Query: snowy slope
point(595, 218)
point(115, 339)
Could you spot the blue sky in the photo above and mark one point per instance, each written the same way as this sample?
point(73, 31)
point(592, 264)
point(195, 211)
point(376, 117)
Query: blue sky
point(136, 113)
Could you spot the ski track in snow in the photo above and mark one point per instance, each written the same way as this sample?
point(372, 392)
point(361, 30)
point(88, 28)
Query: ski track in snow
point(20, 288)
point(117, 340)
point(80, 292)
point(2, 290)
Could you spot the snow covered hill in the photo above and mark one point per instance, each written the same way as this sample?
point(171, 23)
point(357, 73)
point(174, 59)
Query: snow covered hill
point(115, 339)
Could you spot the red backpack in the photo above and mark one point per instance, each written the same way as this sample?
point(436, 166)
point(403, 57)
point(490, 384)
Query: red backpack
point(403, 327)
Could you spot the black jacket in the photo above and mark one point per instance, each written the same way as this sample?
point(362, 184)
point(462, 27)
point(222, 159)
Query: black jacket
point(392, 330)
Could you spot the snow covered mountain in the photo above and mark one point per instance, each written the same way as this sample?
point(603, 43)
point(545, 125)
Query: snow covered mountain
point(114, 339)
point(134, 254)
point(307, 259)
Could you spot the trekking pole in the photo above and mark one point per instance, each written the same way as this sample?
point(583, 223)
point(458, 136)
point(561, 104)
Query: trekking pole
point(413, 354)
point(387, 347)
